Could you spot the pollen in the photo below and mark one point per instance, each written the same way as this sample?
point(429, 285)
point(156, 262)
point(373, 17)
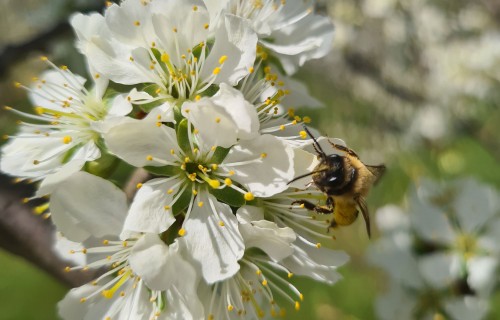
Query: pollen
point(249, 196)
point(263, 155)
point(318, 245)
point(297, 305)
point(303, 134)
point(214, 183)
point(165, 58)
point(228, 182)
point(217, 120)
point(67, 139)
point(222, 59)
point(137, 23)
point(206, 25)
point(200, 204)
point(221, 223)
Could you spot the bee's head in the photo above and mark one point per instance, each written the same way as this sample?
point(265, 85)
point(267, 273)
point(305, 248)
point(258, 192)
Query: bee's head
point(330, 171)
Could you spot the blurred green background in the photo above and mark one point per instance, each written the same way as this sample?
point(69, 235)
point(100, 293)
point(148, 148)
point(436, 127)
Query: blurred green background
point(399, 91)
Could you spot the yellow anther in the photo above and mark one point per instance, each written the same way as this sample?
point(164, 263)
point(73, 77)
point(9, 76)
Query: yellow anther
point(158, 124)
point(149, 158)
point(174, 30)
point(165, 58)
point(124, 244)
point(258, 272)
point(267, 69)
point(7, 108)
point(67, 269)
point(297, 305)
point(264, 283)
point(215, 166)
point(181, 232)
point(166, 207)
point(26, 200)
point(139, 185)
point(5, 137)
point(230, 308)
point(137, 23)
point(39, 110)
point(187, 160)
point(318, 245)
point(303, 134)
point(263, 155)
point(194, 192)
point(105, 242)
point(44, 58)
point(301, 297)
point(249, 196)
point(306, 119)
point(195, 8)
point(216, 70)
point(153, 44)
point(97, 76)
point(282, 127)
point(197, 98)
point(214, 183)
point(67, 139)
point(222, 59)
point(231, 172)
point(82, 300)
point(200, 204)
point(251, 69)
point(217, 120)
point(170, 191)
point(291, 112)
point(206, 25)
point(221, 223)
point(294, 122)
point(290, 275)
point(228, 182)
point(172, 151)
point(297, 118)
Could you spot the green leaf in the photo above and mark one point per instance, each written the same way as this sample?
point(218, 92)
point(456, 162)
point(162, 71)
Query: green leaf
point(182, 136)
point(220, 154)
point(229, 196)
point(167, 171)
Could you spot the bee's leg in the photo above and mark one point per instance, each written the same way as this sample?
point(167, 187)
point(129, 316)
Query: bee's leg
point(312, 207)
point(343, 149)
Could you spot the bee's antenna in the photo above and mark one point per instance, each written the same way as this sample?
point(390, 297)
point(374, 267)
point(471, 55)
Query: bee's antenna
point(316, 145)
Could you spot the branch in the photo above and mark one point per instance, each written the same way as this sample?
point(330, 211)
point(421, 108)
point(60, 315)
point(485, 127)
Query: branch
point(31, 237)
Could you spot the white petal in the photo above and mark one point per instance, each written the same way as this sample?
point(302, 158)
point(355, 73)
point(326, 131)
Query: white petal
point(217, 248)
point(429, 221)
point(268, 167)
point(439, 269)
point(70, 308)
point(466, 308)
point(392, 218)
point(156, 263)
point(85, 205)
point(120, 106)
point(304, 162)
point(147, 212)
point(236, 40)
point(135, 140)
point(482, 274)
point(475, 204)
point(130, 22)
point(317, 263)
point(310, 38)
point(64, 248)
point(267, 236)
point(396, 304)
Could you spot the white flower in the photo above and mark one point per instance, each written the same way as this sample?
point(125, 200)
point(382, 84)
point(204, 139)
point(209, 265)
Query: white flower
point(167, 44)
point(194, 173)
point(288, 29)
point(444, 260)
point(147, 277)
point(67, 132)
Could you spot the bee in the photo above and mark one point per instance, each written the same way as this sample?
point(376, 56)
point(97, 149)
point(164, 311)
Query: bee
point(346, 181)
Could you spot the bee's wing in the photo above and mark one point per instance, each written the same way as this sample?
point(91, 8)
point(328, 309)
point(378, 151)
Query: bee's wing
point(377, 171)
point(360, 201)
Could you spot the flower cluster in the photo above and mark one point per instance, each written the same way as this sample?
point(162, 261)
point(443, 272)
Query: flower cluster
point(191, 92)
point(442, 257)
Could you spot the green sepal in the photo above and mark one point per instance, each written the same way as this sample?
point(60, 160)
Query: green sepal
point(167, 171)
point(104, 166)
point(182, 203)
point(219, 155)
point(182, 136)
point(211, 90)
point(178, 114)
point(229, 196)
